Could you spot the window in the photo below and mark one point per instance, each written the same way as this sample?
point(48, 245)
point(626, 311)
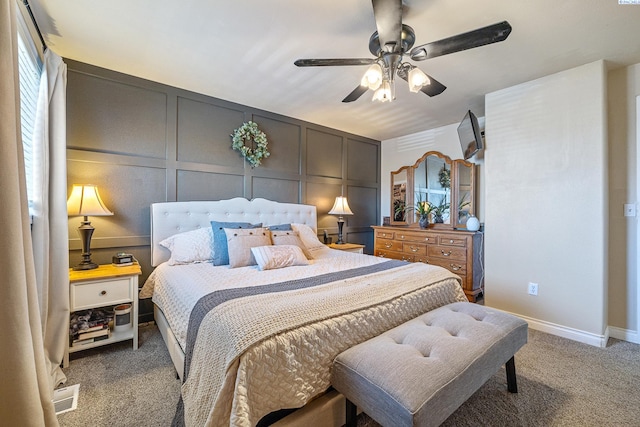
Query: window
point(29, 70)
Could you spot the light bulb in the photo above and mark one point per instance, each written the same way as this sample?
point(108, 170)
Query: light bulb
point(385, 93)
point(417, 80)
point(373, 77)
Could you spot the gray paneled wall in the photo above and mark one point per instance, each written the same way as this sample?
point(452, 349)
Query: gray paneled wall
point(143, 142)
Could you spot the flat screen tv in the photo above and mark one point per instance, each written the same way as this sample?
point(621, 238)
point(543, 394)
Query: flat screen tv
point(470, 135)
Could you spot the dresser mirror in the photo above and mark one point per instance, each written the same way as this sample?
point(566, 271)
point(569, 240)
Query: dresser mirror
point(446, 184)
point(400, 188)
point(432, 183)
point(464, 178)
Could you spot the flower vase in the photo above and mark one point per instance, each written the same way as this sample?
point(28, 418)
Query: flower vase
point(423, 221)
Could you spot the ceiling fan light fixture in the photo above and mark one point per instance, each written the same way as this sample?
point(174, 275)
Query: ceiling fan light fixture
point(417, 79)
point(373, 77)
point(385, 93)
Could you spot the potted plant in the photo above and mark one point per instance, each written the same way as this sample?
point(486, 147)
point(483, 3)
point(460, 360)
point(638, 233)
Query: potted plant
point(462, 212)
point(422, 209)
point(440, 210)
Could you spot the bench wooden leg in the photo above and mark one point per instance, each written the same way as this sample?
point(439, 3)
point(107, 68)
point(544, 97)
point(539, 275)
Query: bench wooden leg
point(351, 414)
point(512, 384)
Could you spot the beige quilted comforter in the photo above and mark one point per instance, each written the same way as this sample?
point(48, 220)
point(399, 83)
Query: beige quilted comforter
point(261, 353)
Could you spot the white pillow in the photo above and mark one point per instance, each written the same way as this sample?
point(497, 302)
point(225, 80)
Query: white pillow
point(308, 236)
point(241, 240)
point(289, 237)
point(190, 247)
point(271, 257)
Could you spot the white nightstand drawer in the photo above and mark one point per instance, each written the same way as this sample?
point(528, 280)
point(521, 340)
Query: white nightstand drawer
point(102, 293)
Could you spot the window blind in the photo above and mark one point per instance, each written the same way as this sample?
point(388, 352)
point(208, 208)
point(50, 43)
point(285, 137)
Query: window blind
point(29, 70)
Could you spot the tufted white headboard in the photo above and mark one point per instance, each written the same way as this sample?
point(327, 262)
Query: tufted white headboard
point(169, 218)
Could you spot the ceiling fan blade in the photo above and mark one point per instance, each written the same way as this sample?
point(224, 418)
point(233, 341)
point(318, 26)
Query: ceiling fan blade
point(388, 16)
point(357, 93)
point(334, 62)
point(432, 89)
point(476, 38)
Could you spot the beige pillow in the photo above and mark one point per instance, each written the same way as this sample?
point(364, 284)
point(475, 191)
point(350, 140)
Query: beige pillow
point(241, 240)
point(270, 257)
point(308, 236)
point(289, 237)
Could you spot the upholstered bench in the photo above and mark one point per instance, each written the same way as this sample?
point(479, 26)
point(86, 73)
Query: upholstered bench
point(420, 372)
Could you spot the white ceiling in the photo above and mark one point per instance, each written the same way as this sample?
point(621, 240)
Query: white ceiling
point(243, 50)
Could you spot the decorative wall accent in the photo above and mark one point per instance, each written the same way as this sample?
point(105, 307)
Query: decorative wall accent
point(144, 142)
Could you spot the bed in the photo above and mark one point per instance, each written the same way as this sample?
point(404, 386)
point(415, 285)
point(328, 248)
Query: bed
point(249, 341)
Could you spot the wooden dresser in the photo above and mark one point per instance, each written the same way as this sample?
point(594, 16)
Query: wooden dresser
point(457, 251)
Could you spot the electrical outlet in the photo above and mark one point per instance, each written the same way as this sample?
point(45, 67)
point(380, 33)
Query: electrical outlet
point(533, 288)
point(630, 209)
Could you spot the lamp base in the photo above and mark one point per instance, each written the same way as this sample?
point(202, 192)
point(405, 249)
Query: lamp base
point(86, 231)
point(340, 224)
point(85, 266)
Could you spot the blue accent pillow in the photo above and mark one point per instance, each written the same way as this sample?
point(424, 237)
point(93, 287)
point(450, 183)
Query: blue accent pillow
point(279, 227)
point(220, 247)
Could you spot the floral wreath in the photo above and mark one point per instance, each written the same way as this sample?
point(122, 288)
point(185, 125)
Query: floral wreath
point(249, 132)
point(444, 177)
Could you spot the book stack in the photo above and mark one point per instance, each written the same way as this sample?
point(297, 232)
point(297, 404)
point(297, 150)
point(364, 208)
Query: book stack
point(89, 326)
point(87, 336)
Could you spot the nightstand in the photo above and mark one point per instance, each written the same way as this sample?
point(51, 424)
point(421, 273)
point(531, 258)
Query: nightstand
point(348, 247)
point(105, 286)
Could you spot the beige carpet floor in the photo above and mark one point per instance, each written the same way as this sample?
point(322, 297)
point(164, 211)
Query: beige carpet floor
point(560, 382)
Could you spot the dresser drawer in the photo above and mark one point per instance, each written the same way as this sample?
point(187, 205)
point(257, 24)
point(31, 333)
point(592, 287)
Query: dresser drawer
point(448, 240)
point(454, 266)
point(384, 234)
point(394, 255)
point(389, 245)
point(416, 237)
point(101, 293)
point(414, 248)
point(448, 252)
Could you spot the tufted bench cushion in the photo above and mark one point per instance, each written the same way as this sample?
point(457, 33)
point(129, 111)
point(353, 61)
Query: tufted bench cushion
point(420, 372)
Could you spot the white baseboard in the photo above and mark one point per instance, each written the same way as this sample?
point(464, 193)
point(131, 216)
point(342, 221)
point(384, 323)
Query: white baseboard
point(566, 332)
point(624, 334)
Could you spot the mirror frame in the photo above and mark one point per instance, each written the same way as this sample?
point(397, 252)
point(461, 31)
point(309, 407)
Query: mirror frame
point(455, 190)
point(408, 190)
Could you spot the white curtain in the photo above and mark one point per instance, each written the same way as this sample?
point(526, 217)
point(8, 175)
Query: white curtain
point(25, 386)
point(50, 220)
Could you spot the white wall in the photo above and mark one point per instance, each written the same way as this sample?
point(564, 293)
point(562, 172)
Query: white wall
point(546, 214)
point(623, 90)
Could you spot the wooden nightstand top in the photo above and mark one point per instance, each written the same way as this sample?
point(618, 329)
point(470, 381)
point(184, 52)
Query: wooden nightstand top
point(345, 246)
point(103, 272)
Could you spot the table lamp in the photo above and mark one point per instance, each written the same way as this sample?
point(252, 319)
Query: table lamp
point(340, 207)
point(85, 201)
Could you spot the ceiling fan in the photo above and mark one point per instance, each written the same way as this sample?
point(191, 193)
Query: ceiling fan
point(392, 41)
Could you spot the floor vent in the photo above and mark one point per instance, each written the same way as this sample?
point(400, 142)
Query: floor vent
point(66, 399)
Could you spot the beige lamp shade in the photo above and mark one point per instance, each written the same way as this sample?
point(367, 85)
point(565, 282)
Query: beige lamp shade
point(340, 207)
point(85, 201)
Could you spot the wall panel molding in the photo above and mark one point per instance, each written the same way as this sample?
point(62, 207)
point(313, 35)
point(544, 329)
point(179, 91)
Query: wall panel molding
point(146, 142)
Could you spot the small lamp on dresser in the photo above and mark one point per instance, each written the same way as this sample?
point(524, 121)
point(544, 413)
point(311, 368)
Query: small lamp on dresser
point(85, 201)
point(340, 208)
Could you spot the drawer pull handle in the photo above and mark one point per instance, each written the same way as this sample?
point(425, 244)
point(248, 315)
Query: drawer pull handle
point(402, 236)
point(455, 267)
point(445, 253)
point(414, 249)
point(381, 255)
point(388, 245)
point(103, 293)
point(450, 241)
